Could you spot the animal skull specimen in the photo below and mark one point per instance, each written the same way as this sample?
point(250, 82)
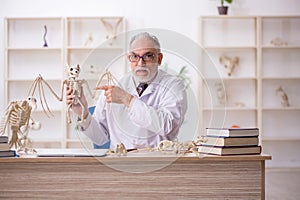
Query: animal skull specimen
point(111, 27)
point(229, 63)
point(284, 100)
point(220, 92)
point(278, 42)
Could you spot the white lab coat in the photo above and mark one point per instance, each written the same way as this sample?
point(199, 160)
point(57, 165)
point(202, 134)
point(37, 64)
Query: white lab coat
point(154, 116)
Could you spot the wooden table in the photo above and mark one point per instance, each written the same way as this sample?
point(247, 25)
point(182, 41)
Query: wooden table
point(150, 177)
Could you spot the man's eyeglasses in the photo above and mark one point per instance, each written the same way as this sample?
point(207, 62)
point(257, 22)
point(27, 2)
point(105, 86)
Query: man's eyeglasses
point(147, 57)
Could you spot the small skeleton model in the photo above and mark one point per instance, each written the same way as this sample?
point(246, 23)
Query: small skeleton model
point(110, 29)
point(192, 146)
point(108, 77)
point(17, 116)
point(229, 63)
point(44, 37)
point(26, 143)
point(76, 85)
point(167, 146)
point(175, 147)
point(39, 84)
point(220, 92)
point(278, 42)
point(284, 98)
point(121, 150)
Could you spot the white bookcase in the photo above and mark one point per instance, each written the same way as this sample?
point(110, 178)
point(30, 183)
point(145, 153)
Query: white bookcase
point(74, 40)
point(268, 48)
point(221, 37)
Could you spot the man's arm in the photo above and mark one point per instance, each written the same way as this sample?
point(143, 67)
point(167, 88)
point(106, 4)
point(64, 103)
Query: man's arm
point(95, 127)
point(162, 118)
point(89, 126)
point(165, 117)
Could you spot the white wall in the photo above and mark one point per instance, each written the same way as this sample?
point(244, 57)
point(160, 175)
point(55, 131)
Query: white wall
point(176, 15)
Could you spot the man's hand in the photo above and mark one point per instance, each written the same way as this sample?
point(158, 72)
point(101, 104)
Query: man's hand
point(115, 94)
point(76, 107)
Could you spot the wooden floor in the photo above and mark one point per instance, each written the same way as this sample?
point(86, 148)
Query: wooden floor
point(283, 184)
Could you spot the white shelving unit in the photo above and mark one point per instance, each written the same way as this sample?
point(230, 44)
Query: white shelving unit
point(72, 40)
point(280, 67)
point(268, 48)
point(221, 37)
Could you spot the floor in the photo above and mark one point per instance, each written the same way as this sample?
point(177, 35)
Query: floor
point(283, 184)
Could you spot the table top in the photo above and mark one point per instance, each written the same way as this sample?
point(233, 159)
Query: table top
point(140, 156)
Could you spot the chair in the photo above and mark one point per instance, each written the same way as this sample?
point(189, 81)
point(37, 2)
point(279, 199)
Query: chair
point(104, 146)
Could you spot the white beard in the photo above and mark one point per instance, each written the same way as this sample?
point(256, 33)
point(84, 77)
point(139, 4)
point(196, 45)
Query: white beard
point(144, 79)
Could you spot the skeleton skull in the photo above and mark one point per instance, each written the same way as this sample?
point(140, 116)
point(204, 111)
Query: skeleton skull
point(229, 63)
point(32, 102)
point(73, 72)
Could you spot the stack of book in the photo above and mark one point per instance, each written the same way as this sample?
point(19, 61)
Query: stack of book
point(4, 148)
point(230, 141)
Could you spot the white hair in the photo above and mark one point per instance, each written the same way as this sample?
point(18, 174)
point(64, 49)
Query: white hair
point(146, 36)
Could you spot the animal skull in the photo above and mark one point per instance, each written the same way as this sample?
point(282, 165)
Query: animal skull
point(229, 63)
point(32, 102)
point(73, 72)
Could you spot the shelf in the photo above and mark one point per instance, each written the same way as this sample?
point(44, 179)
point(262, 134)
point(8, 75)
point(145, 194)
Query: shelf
point(267, 49)
point(280, 31)
point(280, 47)
point(34, 49)
point(222, 32)
point(94, 31)
point(95, 48)
point(31, 32)
point(242, 48)
point(274, 63)
point(279, 139)
point(281, 109)
point(222, 17)
point(229, 78)
point(214, 65)
point(26, 58)
point(282, 78)
point(242, 109)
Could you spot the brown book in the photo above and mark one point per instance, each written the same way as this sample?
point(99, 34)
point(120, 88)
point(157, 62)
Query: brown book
point(229, 150)
point(4, 147)
point(229, 141)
